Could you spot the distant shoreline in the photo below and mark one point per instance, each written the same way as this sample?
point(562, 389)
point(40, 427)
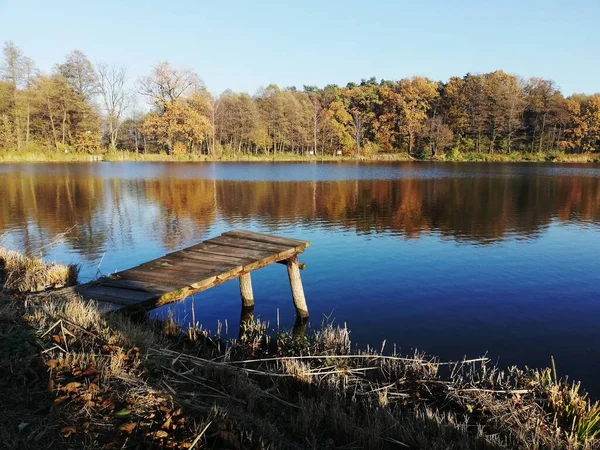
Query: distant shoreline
point(18, 157)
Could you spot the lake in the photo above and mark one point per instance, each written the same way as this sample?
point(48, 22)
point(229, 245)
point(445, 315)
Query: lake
point(451, 259)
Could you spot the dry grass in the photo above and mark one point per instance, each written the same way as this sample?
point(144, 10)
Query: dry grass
point(315, 392)
point(90, 380)
point(23, 273)
point(121, 383)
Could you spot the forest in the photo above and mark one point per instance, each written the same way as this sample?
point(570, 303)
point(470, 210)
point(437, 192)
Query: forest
point(80, 107)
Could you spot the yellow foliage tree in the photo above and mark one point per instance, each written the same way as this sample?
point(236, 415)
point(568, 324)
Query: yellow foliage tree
point(416, 96)
point(179, 124)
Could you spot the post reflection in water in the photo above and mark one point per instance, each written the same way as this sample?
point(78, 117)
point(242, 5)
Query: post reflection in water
point(451, 259)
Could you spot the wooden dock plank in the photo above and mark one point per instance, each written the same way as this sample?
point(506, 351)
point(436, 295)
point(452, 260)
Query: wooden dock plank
point(175, 276)
point(193, 269)
point(224, 250)
point(115, 295)
point(177, 262)
point(137, 285)
point(259, 237)
point(247, 244)
point(218, 259)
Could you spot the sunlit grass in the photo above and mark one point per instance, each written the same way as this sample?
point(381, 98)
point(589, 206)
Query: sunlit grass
point(572, 409)
point(23, 273)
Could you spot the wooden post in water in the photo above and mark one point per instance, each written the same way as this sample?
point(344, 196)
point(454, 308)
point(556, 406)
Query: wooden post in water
point(293, 269)
point(246, 290)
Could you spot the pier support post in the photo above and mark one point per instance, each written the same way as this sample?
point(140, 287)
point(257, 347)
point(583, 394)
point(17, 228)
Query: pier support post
point(296, 285)
point(246, 290)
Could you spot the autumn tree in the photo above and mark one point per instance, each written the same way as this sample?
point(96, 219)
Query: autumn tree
point(416, 96)
point(179, 121)
point(591, 117)
point(13, 70)
point(110, 86)
point(438, 134)
point(360, 103)
point(61, 117)
point(180, 128)
point(167, 84)
point(79, 73)
point(542, 97)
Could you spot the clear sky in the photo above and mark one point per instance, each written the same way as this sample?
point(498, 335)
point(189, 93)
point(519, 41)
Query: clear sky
point(245, 44)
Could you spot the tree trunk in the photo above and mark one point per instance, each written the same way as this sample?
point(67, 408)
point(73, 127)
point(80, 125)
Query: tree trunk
point(52, 123)
point(542, 132)
point(135, 137)
point(28, 123)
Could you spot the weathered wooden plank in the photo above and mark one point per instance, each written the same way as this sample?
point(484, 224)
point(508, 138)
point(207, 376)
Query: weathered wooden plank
point(203, 259)
point(260, 237)
point(137, 285)
point(120, 301)
point(165, 276)
point(126, 296)
point(181, 264)
point(247, 244)
point(215, 259)
point(224, 250)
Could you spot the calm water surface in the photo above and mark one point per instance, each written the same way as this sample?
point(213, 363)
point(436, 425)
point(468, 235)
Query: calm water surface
point(455, 260)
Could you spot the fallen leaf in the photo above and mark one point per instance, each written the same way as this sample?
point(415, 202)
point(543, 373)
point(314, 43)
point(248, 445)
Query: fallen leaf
point(52, 363)
point(167, 424)
point(91, 370)
point(71, 387)
point(161, 434)
point(128, 427)
point(68, 431)
point(61, 399)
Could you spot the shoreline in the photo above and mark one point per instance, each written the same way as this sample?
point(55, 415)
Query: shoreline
point(56, 157)
point(109, 378)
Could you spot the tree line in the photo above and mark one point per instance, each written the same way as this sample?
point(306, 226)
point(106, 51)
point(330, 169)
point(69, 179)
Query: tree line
point(84, 107)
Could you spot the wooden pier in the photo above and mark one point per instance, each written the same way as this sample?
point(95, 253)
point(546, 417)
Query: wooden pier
point(177, 275)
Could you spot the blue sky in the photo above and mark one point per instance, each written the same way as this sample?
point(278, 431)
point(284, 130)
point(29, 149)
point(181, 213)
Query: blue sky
point(245, 44)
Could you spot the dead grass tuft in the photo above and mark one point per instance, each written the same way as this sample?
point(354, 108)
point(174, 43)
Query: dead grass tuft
point(29, 274)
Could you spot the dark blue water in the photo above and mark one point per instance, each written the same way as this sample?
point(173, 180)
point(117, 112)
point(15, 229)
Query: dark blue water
point(452, 259)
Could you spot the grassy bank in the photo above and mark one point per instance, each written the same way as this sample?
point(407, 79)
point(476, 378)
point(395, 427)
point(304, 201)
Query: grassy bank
point(74, 378)
point(455, 156)
point(50, 156)
point(246, 157)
